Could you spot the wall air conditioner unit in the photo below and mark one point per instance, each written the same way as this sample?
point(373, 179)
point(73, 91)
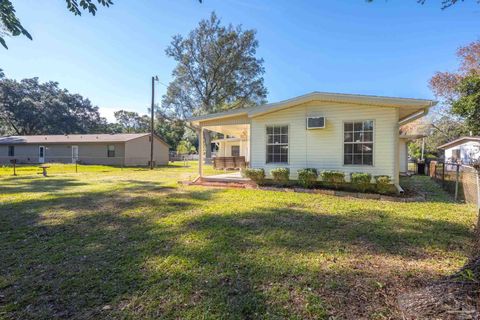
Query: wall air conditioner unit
point(315, 123)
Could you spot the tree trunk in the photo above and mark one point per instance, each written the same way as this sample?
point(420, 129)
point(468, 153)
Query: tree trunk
point(208, 146)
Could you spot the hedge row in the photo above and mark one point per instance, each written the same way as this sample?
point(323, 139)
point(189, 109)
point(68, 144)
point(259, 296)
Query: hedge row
point(309, 178)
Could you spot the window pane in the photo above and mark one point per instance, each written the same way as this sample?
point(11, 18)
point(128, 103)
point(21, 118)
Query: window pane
point(368, 160)
point(367, 148)
point(358, 126)
point(276, 138)
point(347, 159)
point(357, 137)
point(269, 139)
point(357, 159)
point(348, 126)
point(276, 130)
point(269, 130)
point(368, 125)
point(284, 138)
point(357, 148)
point(368, 136)
point(348, 137)
point(284, 158)
point(269, 158)
point(348, 148)
point(284, 130)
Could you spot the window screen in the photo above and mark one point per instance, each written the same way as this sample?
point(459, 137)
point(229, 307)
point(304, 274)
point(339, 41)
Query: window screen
point(11, 151)
point(358, 142)
point(277, 144)
point(111, 151)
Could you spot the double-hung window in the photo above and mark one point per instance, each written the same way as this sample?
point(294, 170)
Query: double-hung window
point(11, 151)
point(111, 151)
point(358, 142)
point(277, 144)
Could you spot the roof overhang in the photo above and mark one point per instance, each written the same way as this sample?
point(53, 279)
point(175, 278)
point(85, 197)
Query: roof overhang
point(409, 109)
point(459, 141)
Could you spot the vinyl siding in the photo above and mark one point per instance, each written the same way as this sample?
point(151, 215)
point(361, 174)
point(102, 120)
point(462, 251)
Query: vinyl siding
point(137, 152)
point(323, 148)
point(225, 148)
point(88, 153)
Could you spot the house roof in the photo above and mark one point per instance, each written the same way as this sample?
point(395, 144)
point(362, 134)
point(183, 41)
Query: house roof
point(459, 141)
point(71, 138)
point(409, 107)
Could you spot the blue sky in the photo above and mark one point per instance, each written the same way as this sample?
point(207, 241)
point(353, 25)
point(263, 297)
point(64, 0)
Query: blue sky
point(384, 48)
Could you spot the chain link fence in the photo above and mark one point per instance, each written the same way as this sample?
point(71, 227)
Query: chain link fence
point(26, 164)
point(461, 181)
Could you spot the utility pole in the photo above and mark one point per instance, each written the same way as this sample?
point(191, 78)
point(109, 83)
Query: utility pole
point(154, 78)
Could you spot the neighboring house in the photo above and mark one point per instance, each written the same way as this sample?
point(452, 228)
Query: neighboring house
point(107, 149)
point(465, 150)
point(232, 147)
point(326, 131)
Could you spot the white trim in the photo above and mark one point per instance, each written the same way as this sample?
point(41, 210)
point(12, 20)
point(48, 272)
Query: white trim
point(266, 143)
point(373, 144)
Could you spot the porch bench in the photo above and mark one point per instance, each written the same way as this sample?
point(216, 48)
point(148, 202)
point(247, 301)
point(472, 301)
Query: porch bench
point(224, 163)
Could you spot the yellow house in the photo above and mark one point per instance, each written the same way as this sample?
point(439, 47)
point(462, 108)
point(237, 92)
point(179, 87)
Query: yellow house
point(325, 131)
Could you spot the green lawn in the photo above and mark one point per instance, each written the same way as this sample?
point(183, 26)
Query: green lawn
point(133, 244)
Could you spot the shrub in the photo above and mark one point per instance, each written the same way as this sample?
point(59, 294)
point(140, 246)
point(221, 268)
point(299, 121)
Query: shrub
point(280, 175)
point(307, 177)
point(333, 177)
point(257, 175)
point(361, 181)
point(384, 184)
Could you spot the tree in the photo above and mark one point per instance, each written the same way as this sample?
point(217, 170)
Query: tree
point(29, 107)
point(171, 130)
point(444, 3)
point(467, 105)
point(131, 122)
point(216, 70)
point(185, 147)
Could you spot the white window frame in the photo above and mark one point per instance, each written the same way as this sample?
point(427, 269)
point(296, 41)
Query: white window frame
point(268, 144)
point(374, 132)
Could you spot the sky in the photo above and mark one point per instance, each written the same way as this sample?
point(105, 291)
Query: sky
point(389, 48)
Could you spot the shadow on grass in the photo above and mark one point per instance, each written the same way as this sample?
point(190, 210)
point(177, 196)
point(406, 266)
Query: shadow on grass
point(112, 254)
point(39, 184)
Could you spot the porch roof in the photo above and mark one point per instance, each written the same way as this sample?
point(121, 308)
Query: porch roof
point(410, 109)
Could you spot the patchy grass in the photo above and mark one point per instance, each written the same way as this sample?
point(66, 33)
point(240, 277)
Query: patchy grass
point(133, 244)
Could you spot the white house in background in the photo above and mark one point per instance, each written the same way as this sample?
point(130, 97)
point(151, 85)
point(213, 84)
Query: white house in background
point(465, 150)
point(232, 147)
point(326, 131)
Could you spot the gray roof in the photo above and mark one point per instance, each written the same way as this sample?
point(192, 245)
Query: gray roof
point(324, 96)
point(71, 138)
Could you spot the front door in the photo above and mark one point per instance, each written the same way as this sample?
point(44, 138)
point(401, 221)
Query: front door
point(41, 154)
point(74, 154)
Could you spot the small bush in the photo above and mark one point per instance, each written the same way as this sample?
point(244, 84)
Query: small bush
point(333, 177)
point(384, 184)
point(280, 175)
point(307, 177)
point(257, 175)
point(361, 181)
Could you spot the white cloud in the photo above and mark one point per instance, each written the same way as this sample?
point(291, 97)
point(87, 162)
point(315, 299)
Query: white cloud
point(107, 113)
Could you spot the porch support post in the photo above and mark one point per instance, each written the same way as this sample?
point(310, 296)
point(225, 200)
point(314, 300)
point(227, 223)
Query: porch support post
point(200, 151)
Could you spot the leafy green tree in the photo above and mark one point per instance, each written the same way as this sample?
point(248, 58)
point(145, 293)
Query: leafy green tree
point(171, 130)
point(217, 69)
point(132, 122)
point(29, 107)
point(11, 24)
point(467, 105)
point(185, 147)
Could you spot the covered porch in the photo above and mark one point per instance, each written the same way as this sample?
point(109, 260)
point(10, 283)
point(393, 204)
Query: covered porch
point(233, 147)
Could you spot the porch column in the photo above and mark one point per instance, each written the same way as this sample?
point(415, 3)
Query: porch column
point(200, 151)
